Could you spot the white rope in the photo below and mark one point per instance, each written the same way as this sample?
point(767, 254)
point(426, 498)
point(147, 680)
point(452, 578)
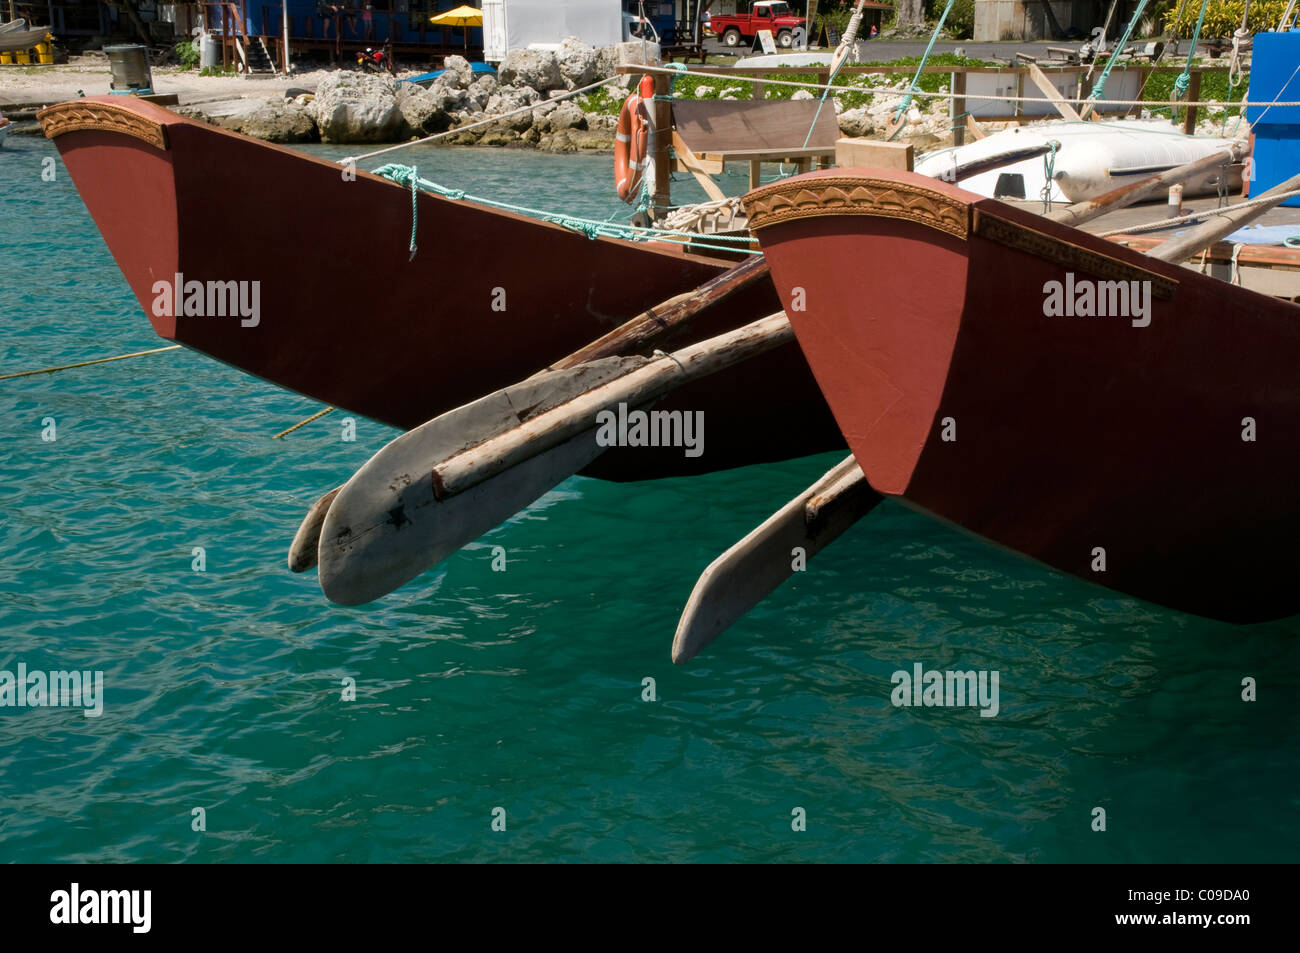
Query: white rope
point(1197, 216)
point(483, 122)
point(877, 91)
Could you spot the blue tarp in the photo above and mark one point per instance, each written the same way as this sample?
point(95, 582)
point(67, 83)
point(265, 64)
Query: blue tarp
point(424, 79)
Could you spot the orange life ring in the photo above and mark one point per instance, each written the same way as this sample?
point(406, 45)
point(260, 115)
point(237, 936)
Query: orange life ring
point(631, 140)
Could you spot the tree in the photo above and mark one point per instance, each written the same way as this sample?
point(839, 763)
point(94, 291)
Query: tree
point(910, 12)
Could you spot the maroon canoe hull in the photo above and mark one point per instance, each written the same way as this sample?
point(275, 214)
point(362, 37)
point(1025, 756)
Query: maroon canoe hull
point(347, 318)
point(1112, 451)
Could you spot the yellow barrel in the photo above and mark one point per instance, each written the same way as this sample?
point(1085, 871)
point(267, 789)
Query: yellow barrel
point(6, 57)
point(44, 53)
point(22, 56)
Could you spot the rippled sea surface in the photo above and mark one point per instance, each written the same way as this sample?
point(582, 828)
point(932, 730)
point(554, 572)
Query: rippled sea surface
point(522, 689)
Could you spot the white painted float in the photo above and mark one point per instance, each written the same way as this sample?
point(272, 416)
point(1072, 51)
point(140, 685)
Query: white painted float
point(1094, 158)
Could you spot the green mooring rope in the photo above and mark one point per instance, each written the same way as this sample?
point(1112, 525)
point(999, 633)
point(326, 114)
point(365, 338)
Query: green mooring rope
point(913, 86)
point(415, 208)
point(1100, 88)
point(1185, 77)
point(406, 175)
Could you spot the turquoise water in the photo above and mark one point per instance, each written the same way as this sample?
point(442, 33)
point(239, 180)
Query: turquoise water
point(523, 689)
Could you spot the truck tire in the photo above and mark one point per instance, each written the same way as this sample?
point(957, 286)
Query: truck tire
point(785, 39)
point(731, 37)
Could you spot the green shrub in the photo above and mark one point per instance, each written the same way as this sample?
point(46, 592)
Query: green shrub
point(188, 51)
point(1222, 17)
point(961, 19)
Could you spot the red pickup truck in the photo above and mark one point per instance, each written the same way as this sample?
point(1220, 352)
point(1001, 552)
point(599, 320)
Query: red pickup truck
point(771, 15)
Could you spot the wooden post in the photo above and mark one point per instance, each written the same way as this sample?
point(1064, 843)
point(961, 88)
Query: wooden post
point(663, 113)
point(758, 91)
point(958, 108)
point(1193, 94)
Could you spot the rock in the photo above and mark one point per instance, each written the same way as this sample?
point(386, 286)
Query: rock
point(592, 140)
point(498, 137)
point(483, 88)
point(579, 63)
point(450, 99)
point(560, 142)
point(357, 107)
point(460, 66)
point(422, 110)
point(729, 95)
point(509, 98)
point(606, 62)
point(448, 79)
point(857, 123)
point(272, 121)
point(566, 115)
point(635, 53)
point(802, 94)
point(534, 68)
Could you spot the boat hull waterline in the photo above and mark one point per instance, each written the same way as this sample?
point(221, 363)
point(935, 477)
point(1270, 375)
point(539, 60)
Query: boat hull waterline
point(1151, 453)
point(345, 315)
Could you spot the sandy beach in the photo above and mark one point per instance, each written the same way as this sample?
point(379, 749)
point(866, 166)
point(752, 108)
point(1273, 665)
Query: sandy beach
point(25, 87)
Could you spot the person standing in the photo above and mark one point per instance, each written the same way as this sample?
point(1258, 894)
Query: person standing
point(327, 13)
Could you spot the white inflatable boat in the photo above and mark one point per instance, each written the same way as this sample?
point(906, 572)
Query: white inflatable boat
point(1093, 158)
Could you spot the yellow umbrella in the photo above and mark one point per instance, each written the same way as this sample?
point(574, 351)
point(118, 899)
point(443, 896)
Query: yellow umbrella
point(462, 16)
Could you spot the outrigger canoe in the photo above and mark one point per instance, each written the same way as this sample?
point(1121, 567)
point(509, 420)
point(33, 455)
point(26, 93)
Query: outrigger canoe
point(1125, 420)
point(345, 314)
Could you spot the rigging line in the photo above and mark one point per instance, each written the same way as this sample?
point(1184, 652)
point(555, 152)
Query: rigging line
point(1196, 216)
point(991, 97)
point(98, 360)
point(302, 423)
point(837, 63)
point(1100, 87)
point(912, 87)
point(1184, 78)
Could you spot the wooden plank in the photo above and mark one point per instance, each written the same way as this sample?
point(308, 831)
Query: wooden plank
point(1051, 92)
point(714, 126)
point(1124, 196)
point(772, 155)
point(1198, 237)
point(974, 128)
point(709, 165)
point(662, 110)
point(686, 158)
point(1193, 94)
point(652, 326)
point(958, 109)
